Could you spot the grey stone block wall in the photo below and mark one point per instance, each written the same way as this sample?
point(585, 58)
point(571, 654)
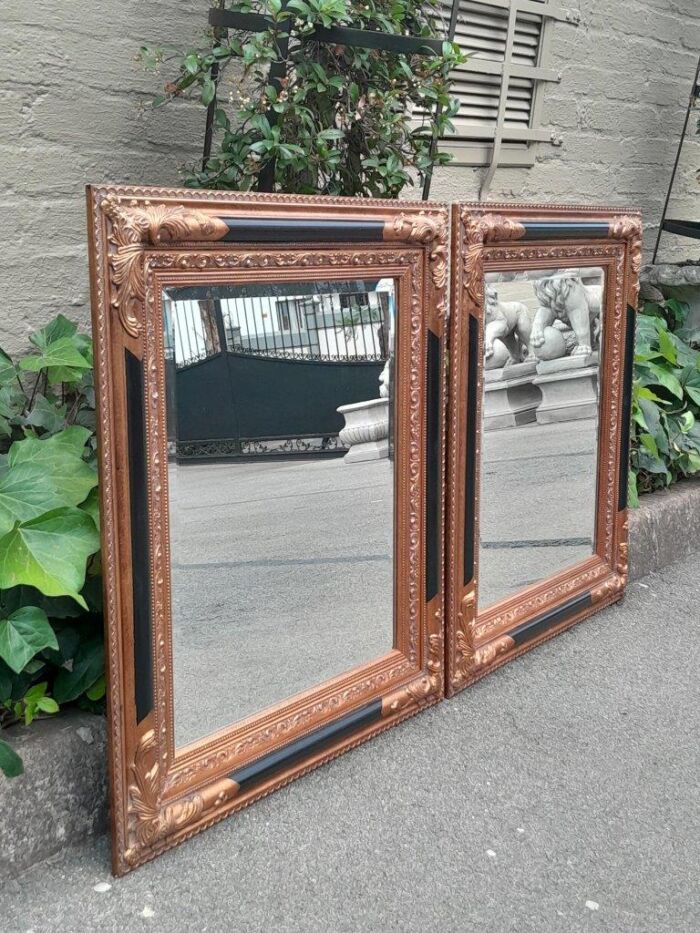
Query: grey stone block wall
point(71, 95)
point(70, 98)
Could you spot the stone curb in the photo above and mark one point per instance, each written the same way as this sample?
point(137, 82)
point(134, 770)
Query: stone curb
point(62, 796)
point(665, 528)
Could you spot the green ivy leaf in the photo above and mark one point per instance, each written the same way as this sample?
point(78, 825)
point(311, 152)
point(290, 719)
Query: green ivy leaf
point(61, 359)
point(43, 475)
point(650, 444)
point(8, 373)
point(25, 493)
point(50, 553)
point(98, 689)
point(92, 506)
point(23, 634)
point(12, 404)
point(88, 667)
point(55, 330)
point(660, 376)
point(46, 415)
point(50, 451)
point(47, 705)
point(644, 392)
point(667, 347)
point(191, 63)
point(10, 762)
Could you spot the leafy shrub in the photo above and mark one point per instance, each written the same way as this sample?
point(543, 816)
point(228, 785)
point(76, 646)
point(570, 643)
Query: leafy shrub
point(665, 399)
point(51, 646)
point(343, 120)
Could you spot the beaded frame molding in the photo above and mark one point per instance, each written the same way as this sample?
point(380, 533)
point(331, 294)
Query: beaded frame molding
point(142, 241)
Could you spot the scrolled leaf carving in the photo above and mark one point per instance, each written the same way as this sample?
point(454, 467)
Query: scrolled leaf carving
point(424, 689)
point(429, 229)
point(423, 228)
point(149, 821)
point(629, 227)
point(468, 658)
point(135, 225)
point(479, 229)
point(611, 586)
point(473, 659)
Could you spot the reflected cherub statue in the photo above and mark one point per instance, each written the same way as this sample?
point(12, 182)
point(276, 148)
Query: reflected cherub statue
point(565, 298)
point(506, 331)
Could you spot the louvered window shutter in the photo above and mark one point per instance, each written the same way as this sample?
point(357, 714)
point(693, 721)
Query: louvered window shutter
point(481, 31)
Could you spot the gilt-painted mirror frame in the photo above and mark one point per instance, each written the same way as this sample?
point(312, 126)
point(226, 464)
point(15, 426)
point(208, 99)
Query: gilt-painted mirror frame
point(141, 241)
point(505, 238)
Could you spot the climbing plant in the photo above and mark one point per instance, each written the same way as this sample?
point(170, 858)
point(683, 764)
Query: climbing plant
point(340, 121)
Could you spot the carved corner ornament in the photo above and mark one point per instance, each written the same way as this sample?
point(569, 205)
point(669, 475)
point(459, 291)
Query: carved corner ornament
point(151, 821)
point(629, 227)
point(429, 230)
point(609, 588)
point(425, 689)
point(623, 549)
point(135, 225)
point(477, 231)
point(469, 660)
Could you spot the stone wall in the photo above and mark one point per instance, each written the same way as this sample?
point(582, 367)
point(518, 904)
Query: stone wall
point(70, 94)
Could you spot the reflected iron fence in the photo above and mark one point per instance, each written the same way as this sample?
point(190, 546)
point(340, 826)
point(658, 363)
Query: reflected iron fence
point(328, 326)
point(263, 375)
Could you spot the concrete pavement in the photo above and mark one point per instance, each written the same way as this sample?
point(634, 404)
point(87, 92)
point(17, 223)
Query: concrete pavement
point(558, 795)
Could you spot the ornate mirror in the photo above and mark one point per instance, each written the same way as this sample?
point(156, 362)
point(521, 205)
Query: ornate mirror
point(270, 399)
point(542, 336)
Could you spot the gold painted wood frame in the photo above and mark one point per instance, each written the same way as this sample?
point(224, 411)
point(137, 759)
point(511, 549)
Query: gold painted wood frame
point(505, 237)
point(145, 239)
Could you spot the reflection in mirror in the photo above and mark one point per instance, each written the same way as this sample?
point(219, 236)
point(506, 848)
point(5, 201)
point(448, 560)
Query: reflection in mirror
point(281, 490)
point(542, 347)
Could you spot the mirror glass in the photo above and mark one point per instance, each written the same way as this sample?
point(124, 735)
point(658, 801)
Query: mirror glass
point(542, 351)
point(281, 490)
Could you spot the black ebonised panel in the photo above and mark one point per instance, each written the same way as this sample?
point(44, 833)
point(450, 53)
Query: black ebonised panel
point(281, 230)
point(140, 557)
point(626, 413)
point(540, 624)
point(266, 766)
point(565, 230)
point(470, 444)
point(432, 471)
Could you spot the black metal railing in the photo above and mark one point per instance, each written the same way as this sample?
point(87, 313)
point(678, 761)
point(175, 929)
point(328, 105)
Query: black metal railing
point(332, 326)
